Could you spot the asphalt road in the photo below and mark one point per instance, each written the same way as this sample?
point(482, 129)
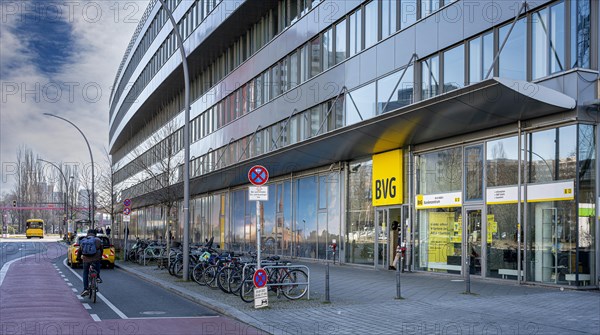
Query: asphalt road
point(124, 301)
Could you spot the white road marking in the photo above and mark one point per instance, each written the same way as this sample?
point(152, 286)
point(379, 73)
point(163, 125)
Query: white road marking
point(95, 317)
point(69, 284)
point(74, 289)
point(86, 306)
point(103, 298)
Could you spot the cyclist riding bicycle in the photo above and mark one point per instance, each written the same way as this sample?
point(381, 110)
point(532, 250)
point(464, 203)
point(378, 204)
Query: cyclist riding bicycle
point(90, 252)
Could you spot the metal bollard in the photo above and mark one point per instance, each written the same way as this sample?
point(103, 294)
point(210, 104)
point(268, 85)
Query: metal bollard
point(398, 288)
point(327, 284)
point(468, 276)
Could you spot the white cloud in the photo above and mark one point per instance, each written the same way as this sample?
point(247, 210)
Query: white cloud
point(79, 91)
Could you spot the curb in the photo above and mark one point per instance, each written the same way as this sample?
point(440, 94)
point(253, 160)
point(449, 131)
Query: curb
point(215, 305)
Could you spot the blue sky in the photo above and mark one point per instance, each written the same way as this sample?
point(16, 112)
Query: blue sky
point(59, 57)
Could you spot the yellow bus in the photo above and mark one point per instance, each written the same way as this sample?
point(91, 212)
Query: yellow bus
point(34, 228)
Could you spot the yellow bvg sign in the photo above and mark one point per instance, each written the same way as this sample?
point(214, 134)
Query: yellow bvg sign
point(387, 178)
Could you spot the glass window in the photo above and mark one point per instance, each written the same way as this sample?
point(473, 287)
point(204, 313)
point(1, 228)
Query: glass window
point(580, 33)
point(398, 96)
point(587, 207)
point(440, 171)
point(388, 17)
point(474, 173)
point(512, 61)
point(355, 33)
point(567, 152)
point(438, 240)
point(360, 230)
point(541, 156)
point(502, 165)
point(429, 6)
point(408, 13)
point(371, 24)
point(364, 98)
point(294, 69)
point(481, 56)
point(548, 41)
point(340, 41)
point(327, 47)
point(306, 222)
point(430, 69)
point(304, 63)
point(454, 68)
point(315, 59)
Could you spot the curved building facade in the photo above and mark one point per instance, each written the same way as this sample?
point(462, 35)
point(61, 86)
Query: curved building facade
point(466, 130)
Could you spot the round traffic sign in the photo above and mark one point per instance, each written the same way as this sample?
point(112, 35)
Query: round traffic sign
point(127, 202)
point(127, 211)
point(260, 278)
point(258, 175)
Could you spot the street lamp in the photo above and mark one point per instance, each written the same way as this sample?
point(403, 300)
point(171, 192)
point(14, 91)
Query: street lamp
point(186, 145)
point(92, 203)
point(66, 187)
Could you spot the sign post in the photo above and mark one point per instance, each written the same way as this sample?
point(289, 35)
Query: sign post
point(126, 219)
point(258, 175)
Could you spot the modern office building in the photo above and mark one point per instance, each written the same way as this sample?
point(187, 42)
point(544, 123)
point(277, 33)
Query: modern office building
point(468, 129)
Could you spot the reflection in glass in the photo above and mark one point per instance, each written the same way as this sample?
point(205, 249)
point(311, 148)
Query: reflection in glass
point(454, 68)
point(360, 229)
point(587, 205)
point(364, 98)
point(580, 33)
point(474, 173)
point(548, 39)
point(440, 171)
point(355, 33)
point(438, 240)
point(370, 23)
point(340, 41)
point(408, 13)
point(402, 96)
point(306, 219)
point(388, 17)
point(430, 77)
point(502, 163)
point(502, 241)
point(512, 61)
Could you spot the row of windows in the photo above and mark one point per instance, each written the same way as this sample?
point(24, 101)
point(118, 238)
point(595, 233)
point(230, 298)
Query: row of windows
point(385, 94)
point(340, 41)
point(545, 37)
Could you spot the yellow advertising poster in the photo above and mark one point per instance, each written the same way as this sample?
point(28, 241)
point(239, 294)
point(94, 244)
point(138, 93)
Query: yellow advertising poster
point(387, 184)
point(492, 227)
point(441, 228)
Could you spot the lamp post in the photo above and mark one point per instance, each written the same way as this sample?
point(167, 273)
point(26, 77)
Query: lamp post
point(92, 203)
point(186, 145)
point(66, 195)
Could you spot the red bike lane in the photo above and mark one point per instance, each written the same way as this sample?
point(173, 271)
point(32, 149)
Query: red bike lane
point(35, 299)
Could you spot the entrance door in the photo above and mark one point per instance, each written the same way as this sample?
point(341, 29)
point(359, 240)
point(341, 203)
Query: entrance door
point(473, 239)
point(381, 238)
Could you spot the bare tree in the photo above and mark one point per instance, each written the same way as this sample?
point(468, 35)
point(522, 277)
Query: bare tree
point(107, 197)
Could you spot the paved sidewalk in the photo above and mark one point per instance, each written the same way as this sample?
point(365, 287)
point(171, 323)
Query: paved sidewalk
point(363, 302)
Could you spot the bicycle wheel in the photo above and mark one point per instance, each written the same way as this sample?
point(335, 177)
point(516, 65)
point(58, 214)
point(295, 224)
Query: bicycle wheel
point(223, 279)
point(92, 288)
point(247, 291)
point(198, 273)
point(210, 276)
point(295, 284)
point(235, 280)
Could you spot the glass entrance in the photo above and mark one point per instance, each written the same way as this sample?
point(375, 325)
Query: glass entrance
point(473, 250)
point(389, 231)
point(381, 240)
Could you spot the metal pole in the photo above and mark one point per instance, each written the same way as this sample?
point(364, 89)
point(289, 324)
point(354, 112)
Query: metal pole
point(186, 145)
point(519, 204)
point(398, 288)
point(258, 234)
point(327, 283)
point(92, 203)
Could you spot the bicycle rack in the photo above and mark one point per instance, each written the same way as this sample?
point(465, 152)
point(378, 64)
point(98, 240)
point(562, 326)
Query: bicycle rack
point(267, 266)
